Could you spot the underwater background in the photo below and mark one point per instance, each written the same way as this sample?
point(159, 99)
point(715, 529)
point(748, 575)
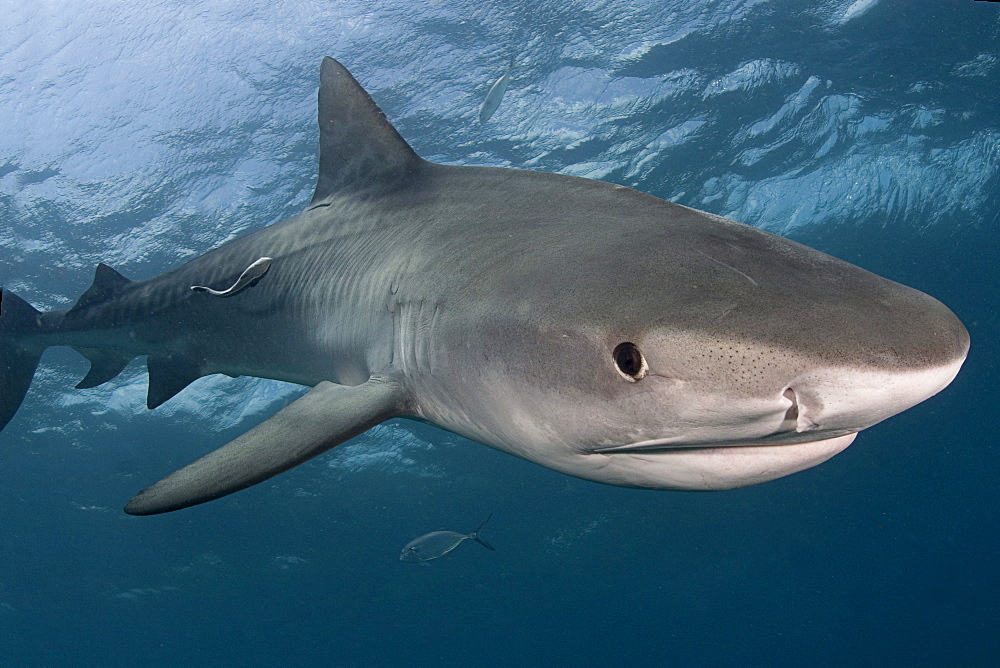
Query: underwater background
point(144, 134)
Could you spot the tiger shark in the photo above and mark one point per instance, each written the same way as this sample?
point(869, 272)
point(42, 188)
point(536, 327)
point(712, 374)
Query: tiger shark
point(583, 325)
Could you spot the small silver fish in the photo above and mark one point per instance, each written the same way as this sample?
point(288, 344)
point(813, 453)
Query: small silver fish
point(249, 278)
point(495, 96)
point(439, 543)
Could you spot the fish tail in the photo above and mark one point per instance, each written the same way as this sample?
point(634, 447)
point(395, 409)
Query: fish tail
point(18, 356)
point(479, 539)
point(25, 333)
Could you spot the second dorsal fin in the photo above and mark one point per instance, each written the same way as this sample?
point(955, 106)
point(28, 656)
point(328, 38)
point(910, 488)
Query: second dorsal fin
point(107, 282)
point(359, 150)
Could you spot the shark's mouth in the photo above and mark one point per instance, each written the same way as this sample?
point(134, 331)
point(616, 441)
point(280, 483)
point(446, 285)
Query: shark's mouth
point(712, 466)
point(678, 443)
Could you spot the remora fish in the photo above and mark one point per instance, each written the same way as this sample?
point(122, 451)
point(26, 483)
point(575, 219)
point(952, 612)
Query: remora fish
point(495, 95)
point(439, 543)
point(250, 277)
point(578, 324)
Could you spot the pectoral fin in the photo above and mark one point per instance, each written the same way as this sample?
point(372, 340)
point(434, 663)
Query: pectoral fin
point(325, 417)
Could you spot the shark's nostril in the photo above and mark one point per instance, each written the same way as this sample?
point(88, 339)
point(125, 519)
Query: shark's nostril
point(792, 414)
point(801, 414)
point(797, 415)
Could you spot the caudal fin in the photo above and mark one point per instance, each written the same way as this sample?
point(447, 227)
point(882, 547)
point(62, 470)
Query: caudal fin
point(18, 360)
point(479, 539)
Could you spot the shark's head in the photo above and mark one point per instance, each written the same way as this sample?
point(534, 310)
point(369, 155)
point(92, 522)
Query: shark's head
point(691, 352)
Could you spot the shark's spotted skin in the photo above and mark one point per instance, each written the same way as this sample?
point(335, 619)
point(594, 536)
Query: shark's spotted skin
point(582, 325)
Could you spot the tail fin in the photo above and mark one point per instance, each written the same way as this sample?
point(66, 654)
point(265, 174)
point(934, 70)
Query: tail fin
point(479, 539)
point(18, 360)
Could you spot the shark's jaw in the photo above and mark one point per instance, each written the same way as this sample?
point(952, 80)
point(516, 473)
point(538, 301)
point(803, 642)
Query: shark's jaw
point(674, 444)
point(708, 467)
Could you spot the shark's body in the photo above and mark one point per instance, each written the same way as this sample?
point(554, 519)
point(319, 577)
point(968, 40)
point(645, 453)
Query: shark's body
point(579, 324)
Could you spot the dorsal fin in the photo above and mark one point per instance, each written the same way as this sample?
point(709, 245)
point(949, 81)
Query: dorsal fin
point(107, 282)
point(359, 150)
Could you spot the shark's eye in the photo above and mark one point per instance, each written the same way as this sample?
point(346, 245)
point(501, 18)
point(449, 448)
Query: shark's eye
point(629, 361)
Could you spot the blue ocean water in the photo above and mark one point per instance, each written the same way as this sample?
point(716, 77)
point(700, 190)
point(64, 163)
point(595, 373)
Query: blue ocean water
point(143, 134)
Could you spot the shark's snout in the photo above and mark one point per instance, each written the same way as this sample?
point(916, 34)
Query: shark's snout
point(852, 399)
point(879, 381)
